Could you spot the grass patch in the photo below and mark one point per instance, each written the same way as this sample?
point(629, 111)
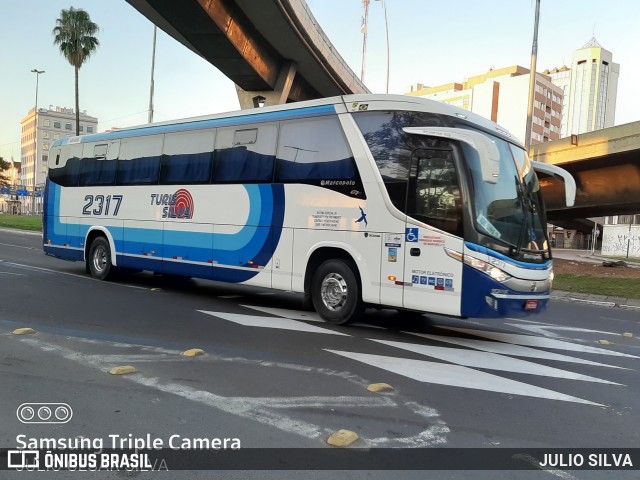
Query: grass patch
point(615, 287)
point(22, 222)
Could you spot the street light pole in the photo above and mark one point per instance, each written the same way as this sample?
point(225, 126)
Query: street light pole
point(35, 142)
point(386, 27)
point(365, 25)
point(153, 66)
point(532, 78)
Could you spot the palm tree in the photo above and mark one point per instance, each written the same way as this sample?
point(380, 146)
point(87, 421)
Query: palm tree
point(74, 34)
point(4, 167)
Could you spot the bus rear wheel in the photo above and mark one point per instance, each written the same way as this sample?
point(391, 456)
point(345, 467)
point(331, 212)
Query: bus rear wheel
point(99, 260)
point(335, 292)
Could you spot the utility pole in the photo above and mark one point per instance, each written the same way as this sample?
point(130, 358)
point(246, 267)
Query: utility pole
point(35, 143)
point(532, 78)
point(386, 28)
point(365, 21)
point(153, 66)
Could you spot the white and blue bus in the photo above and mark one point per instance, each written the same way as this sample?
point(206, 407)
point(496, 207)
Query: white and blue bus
point(358, 200)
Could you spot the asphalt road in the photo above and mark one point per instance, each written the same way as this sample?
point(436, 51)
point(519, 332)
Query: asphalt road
point(275, 376)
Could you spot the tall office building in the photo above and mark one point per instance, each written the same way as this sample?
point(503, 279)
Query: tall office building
point(502, 96)
point(39, 130)
point(561, 77)
point(590, 87)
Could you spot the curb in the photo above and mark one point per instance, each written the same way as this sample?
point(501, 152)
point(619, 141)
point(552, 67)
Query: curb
point(598, 303)
point(17, 230)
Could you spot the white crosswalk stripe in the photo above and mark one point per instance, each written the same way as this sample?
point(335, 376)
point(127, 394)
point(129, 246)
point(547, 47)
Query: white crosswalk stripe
point(300, 315)
point(292, 314)
point(543, 330)
point(510, 349)
point(491, 361)
point(271, 322)
point(533, 341)
point(457, 376)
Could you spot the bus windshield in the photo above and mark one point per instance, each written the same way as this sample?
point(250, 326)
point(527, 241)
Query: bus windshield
point(509, 212)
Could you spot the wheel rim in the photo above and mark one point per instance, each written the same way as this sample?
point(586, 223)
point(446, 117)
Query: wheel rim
point(333, 292)
point(100, 259)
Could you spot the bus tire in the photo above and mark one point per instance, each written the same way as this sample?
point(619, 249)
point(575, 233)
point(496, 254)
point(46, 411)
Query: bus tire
point(335, 292)
point(99, 260)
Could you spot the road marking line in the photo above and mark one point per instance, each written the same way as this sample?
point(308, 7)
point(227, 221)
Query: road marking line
point(526, 321)
point(227, 297)
point(542, 329)
point(457, 376)
point(18, 246)
point(292, 314)
point(302, 315)
point(85, 277)
point(316, 401)
point(535, 329)
point(491, 361)
point(510, 349)
point(11, 273)
point(533, 341)
point(271, 322)
point(366, 325)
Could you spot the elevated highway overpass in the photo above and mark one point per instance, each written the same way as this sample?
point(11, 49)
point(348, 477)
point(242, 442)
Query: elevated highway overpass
point(606, 167)
point(273, 49)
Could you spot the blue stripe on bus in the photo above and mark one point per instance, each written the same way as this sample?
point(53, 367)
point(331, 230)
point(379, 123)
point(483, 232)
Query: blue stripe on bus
point(203, 124)
point(492, 253)
point(252, 245)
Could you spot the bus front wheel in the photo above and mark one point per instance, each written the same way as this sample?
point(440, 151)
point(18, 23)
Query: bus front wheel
point(99, 260)
point(335, 292)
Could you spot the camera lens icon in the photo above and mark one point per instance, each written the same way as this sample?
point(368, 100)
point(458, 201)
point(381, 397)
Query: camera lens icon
point(63, 413)
point(26, 413)
point(44, 413)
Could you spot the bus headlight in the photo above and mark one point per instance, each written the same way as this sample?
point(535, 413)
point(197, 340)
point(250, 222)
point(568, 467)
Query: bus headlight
point(484, 267)
point(551, 277)
point(498, 274)
point(491, 270)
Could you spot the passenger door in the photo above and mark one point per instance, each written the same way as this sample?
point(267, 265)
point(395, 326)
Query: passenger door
point(433, 279)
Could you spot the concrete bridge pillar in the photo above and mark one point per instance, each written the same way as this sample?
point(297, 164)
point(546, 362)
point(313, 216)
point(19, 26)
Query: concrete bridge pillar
point(277, 96)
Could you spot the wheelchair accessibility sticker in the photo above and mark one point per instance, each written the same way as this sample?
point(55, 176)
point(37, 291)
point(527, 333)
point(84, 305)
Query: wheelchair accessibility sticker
point(411, 235)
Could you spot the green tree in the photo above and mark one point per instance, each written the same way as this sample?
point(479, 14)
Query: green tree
point(4, 166)
point(75, 35)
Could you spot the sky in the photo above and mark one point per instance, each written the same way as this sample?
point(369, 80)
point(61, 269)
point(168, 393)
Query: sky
point(431, 42)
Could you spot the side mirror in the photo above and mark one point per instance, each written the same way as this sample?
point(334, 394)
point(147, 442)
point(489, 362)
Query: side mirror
point(561, 174)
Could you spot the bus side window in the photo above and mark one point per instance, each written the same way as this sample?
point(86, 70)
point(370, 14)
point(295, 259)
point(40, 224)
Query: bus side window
point(67, 169)
point(391, 148)
point(434, 192)
point(98, 171)
point(246, 154)
point(100, 151)
point(139, 160)
point(187, 157)
point(314, 149)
